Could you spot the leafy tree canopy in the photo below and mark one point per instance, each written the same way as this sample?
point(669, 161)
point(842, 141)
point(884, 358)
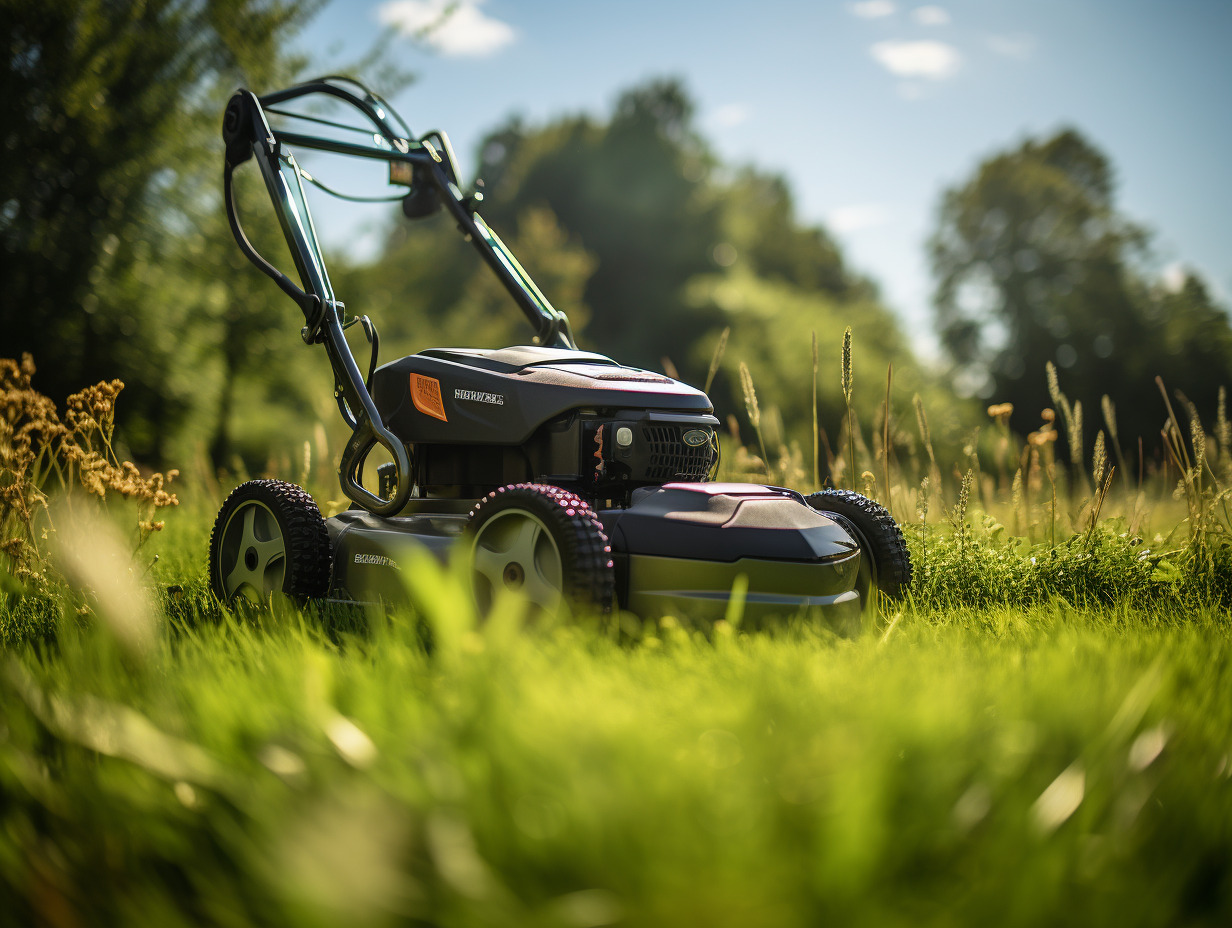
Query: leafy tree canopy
point(104, 109)
point(1034, 263)
point(653, 246)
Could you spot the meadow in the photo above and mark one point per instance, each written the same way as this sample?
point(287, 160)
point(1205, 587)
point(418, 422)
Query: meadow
point(1039, 734)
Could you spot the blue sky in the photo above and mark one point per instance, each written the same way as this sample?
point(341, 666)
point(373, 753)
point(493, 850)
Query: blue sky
point(868, 107)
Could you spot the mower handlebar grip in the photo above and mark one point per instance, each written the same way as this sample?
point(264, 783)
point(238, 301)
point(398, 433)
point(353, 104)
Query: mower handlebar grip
point(365, 437)
point(239, 124)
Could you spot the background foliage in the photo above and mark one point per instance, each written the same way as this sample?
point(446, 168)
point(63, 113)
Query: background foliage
point(1039, 735)
point(118, 262)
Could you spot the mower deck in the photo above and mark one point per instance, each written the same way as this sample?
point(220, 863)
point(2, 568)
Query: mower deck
point(678, 549)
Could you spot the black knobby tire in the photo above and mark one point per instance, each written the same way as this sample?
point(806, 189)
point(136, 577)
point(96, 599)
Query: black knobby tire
point(537, 537)
point(269, 537)
point(885, 562)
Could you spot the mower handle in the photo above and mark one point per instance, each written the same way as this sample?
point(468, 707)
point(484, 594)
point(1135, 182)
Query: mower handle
point(367, 429)
point(247, 133)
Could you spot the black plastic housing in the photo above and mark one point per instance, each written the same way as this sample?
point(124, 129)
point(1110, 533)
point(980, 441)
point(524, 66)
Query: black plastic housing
point(484, 419)
point(725, 522)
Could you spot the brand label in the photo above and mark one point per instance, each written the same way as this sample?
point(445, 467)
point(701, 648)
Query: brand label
point(377, 560)
point(426, 395)
point(475, 396)
point(695, 437)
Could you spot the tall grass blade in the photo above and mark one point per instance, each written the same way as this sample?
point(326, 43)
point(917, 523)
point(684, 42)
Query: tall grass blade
point(885, 440)
point(717, 358)
point(847, 384)
point(754, 411)
point(816, 424)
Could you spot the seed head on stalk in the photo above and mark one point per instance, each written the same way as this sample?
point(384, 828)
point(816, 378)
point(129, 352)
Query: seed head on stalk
point(1109, 410)
point(754, 411)
point(750, 396)
point(925, 433)
point(1099, 460)
point(1223, 430)
point(816, 437)
point(847, 366)
point(1054, 383)
point(717, 358)
point(851, 424)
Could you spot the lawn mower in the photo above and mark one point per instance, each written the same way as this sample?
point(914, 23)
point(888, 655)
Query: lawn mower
point(582, 483)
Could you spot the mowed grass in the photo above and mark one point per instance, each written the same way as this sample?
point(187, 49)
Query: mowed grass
point(1064, 760)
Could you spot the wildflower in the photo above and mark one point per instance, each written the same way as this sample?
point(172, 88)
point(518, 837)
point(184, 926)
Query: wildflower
point(1042, 437)
point(1001, 412)
point(36, 446)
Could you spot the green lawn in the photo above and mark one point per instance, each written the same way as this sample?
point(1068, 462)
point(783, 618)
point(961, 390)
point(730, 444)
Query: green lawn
point(1044, 763)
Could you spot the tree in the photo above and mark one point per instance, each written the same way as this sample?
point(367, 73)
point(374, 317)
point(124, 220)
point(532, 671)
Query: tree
point(1033, 263)
point(98, 102)
point(633, 192)
point(631, 221)
point(760, 225)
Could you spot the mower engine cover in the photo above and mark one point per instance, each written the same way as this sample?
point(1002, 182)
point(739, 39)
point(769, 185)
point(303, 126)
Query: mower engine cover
point(499, 397)
point(477, 420)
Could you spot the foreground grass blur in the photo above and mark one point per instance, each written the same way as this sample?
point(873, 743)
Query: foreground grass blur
point(1053, 763)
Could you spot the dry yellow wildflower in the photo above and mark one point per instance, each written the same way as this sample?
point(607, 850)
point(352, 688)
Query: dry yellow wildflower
point(36, 448)
point(1042, 437)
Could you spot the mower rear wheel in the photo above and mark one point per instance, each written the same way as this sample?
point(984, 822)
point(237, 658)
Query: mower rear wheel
point(544, 542)
point(269, 538)
point(885, 563)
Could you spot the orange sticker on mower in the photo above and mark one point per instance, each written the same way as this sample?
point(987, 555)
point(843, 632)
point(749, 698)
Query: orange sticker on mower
point(426, 395)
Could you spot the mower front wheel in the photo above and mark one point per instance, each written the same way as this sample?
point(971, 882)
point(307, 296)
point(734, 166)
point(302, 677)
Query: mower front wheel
point(269, 538)
point(543, 542)
point(885, 564)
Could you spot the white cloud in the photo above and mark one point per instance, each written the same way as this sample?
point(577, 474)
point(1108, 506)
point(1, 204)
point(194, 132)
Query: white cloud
point(730, 115)
point(857, 216)
point(873, 9)
point(928, 59)
point(1020, 46)
point(930, 16)
point(466, 32)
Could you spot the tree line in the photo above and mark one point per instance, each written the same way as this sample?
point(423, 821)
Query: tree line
point(118, 262)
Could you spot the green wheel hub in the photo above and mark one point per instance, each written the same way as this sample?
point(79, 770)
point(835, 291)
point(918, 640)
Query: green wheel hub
point(252, 555)
point(514, 550)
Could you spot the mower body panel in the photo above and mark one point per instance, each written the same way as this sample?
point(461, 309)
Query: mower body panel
point(371, 553)
point(697, 589)
point(682, 548)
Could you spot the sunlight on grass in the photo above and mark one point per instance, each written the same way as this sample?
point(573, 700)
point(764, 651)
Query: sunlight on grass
point(1037, 734)
point(423, 766)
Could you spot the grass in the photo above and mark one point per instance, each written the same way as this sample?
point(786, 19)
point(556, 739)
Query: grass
point(1051, 761)
point(1039, 734)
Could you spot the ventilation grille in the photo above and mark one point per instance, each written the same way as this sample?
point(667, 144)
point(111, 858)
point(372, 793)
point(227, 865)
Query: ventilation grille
point(628, 375)
point(672, 459)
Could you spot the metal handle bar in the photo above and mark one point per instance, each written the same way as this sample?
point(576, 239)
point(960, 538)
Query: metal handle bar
point(246, 133)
